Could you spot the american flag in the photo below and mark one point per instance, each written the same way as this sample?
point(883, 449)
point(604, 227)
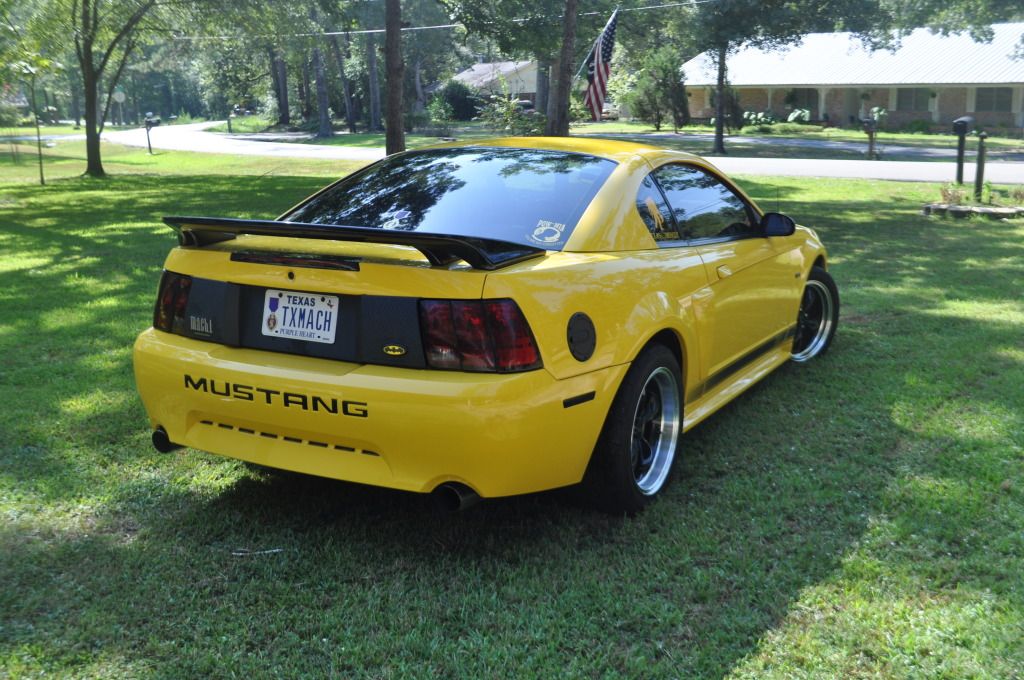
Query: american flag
point(599, 67)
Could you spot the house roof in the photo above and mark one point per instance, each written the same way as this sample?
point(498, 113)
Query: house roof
point(482, 75)
point(823, 59)
point(13, 99)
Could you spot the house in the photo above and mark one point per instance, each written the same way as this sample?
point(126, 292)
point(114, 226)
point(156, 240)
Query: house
point(9, 96)
point(929, 77)
point(517, 78)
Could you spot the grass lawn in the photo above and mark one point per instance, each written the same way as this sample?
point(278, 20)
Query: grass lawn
point(860, 517)
point(253, 123)
point(67, 160)
point(6, 133)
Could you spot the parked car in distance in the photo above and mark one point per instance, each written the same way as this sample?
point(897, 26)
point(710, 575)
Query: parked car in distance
point(610, 111)
point(483, 320)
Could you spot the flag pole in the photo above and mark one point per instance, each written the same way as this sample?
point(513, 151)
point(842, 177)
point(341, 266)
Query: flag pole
point(583, 63)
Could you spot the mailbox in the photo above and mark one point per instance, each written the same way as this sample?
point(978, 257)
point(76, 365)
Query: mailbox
point(963, 125)
point(869, 124)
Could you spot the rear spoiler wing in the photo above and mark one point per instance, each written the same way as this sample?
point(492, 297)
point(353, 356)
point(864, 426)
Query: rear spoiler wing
point(439, 249)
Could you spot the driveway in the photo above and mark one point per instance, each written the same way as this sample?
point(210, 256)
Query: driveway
point(195, 137)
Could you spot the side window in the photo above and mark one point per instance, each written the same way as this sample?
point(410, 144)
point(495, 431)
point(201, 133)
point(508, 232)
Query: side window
point(655, 212)
point(703, 206)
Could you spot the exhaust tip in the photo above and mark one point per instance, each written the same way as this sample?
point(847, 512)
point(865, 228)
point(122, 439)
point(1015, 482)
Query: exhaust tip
point(454, 497)
point(163, 443)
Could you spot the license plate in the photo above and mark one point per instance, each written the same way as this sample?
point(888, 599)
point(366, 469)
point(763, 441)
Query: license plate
point(300, 316)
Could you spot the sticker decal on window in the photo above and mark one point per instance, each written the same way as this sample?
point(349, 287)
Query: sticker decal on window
point(547, 233)
point(394, 219)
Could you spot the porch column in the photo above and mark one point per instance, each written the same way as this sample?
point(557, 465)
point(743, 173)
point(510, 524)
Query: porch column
point(1017, 105)
point(771, 91)
point(822, 103)
point(933, 106)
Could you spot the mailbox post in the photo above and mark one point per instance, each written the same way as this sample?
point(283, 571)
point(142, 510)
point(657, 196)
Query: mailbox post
point(870, 126)
point(961, 126)
point(150, 124)
point(979, 173)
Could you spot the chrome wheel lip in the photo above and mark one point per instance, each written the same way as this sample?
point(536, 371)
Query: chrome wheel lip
point(667, 423)
point(825, 323)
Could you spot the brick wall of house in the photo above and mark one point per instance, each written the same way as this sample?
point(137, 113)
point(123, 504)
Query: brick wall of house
point(898, 119)
point(952, 104)
point(754, 99)
point(834, 106)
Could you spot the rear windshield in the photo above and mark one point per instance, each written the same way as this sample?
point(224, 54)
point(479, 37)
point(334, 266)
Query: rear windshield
point(523, 196)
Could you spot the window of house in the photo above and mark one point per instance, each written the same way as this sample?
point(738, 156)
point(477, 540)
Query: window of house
point(803, 98)
point(703, 206)
point(912, 98)
point(993, 99)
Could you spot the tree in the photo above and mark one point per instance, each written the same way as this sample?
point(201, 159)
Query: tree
point(724, 26)
point(103, 39)
point(947, 16)
point(30, 68)
point(558, 106)
point(543, 29)
point(655, 89)
point(22, 59)
point(394, 128)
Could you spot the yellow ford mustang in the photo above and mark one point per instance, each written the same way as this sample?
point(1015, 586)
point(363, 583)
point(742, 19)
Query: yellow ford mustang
point(483, 320)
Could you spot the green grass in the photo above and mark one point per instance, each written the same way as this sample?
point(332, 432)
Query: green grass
point(67, 159)
point(6, 133)
point(859, 517)
point(247, 124)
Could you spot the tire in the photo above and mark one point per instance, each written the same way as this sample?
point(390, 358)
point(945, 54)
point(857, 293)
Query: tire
point(634, 454)
point(817, 318)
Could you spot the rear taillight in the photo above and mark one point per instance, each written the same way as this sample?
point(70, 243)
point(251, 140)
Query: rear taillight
point(477, 335)
point(171, 301)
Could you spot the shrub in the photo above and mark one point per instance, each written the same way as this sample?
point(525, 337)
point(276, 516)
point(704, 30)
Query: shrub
point(799, 116)
point(1017, 194)
point(761, 119)
point(441, 114)
point(953, 194)
point(9, 116)
point(918, 127)
point(656, 92)
point(463, 100)
point(503, 114)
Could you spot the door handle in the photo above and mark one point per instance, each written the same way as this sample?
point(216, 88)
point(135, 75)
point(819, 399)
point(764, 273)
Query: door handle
point(724, 271)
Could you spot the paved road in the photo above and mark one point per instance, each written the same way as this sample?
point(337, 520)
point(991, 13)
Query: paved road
point(884, 148)
point(194, 137)
point(999, 173)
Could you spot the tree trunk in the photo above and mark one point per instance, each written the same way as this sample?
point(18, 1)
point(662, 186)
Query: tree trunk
point(719, 147)
point(543, 84)
point(371, 71)
point(76, 104)
point(421, 97)
point(394, 129)
point(93, 161)
point(558, 122)
point(284, 113)
point(323, 107)
point(39, 137)
point(135, 100)
point(279, 79)
point(346, 88)
point(305, 96)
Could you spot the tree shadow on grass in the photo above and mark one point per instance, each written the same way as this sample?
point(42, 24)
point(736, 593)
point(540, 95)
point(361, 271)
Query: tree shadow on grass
point(770, 497)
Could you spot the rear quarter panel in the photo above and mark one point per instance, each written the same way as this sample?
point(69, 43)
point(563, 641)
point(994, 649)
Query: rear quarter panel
point(629, 296)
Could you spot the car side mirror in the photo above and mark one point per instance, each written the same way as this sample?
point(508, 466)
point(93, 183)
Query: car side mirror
point(777, 224)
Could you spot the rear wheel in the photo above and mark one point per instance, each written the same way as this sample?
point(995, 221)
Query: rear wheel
point(818, 316)
point(634, 454)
